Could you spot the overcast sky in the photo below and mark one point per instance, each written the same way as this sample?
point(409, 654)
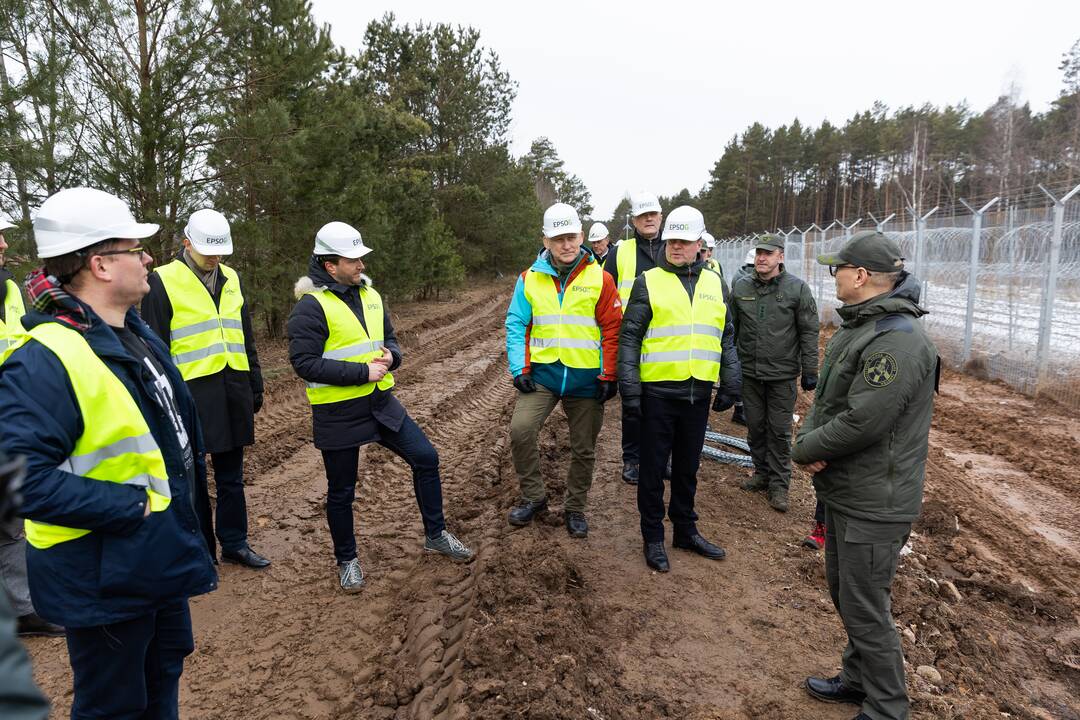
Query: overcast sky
point(645, 95)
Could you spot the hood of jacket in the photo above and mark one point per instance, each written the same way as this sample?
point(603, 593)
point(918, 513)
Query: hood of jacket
point(543, 263)
point(318, 279)
point(903, 298)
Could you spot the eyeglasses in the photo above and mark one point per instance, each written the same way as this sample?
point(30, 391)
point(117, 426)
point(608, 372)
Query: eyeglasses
point(137, 250)
point(834, 268)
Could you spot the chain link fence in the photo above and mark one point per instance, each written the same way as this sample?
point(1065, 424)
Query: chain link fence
point(1002, 284)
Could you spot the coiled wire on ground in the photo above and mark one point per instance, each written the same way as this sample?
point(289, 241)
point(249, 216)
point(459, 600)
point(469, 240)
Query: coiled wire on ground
point(724, 456)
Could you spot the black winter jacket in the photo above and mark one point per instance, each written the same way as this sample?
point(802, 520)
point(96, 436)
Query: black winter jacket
point(636, 321)
point(227, 399)
point(349, 423)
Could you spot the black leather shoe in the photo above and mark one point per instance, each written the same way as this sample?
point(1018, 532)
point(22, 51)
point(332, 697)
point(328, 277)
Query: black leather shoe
point(862, 716)
point(738, 416)
point(33, 625)
point(701, 546)
point(656, 557)
point(834, 691)
point(525, 511)
point(245, 556)
point(576, 525)
point(630, 473)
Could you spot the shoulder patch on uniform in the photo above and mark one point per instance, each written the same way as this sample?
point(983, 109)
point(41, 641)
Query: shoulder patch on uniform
point(880, 370)
point(895, 321)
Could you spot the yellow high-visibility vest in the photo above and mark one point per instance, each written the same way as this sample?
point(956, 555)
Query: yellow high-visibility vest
point(11, 330)
point(565, 331)
point(116, 444)
point(348, 341)
point(626, 265)
point(683, 337)
point(204, 338)
point(714, 265)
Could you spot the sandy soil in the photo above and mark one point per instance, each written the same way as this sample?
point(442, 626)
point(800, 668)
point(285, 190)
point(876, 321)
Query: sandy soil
point(544, 626)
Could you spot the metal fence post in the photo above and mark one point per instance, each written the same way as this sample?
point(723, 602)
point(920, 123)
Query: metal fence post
point(973, 273)
point(1046, 316)
point(920, 246)
point(849, 228)
point(881, 223)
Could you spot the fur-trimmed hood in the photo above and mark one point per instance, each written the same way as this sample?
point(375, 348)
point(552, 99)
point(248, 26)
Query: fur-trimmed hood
point(318, 279)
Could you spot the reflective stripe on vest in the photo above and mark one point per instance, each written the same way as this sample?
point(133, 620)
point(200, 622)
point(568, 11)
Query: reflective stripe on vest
point(204, 338)
point(683, 337)
point(348, 341)
point(11, 330)
point(565, 331)
point(116, 444)
point(626, 266)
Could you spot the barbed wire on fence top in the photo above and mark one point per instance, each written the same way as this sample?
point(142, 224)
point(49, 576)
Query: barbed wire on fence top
point(1014, 331)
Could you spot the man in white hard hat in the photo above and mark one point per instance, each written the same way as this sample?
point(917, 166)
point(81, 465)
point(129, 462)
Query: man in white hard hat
point(562, 334)
point(342, 343)
point(196, 305)
point(625, 262)
point(675, 344)
point(12, 540)
point(599, 241)
point(113, 459)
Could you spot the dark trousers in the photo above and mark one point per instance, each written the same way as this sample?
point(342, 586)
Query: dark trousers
point(230, 521)
point(860, 563)
point(411, 445)
point(631, 436)
point(131, 669)
point(819, 512)
point(768, 405)
point(675, 429)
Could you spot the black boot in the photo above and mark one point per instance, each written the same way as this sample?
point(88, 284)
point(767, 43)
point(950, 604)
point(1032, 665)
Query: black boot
point(524, 512)
point(737, 415)
point(33, 625)
point(630, 472)
point(701, 546)
point(833, 690)
point(245, 556)
point(656, 556)
point(575, 524)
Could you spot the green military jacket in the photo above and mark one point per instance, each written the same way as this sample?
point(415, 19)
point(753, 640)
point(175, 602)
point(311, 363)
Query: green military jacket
point(776, 326)
point(871, 416)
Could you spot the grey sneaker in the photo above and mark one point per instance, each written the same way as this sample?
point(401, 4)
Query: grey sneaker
point(352, 575)
point(449, 546)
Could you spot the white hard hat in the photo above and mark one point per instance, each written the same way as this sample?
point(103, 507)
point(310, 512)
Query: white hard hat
point(598, 231)
point(684, 223)
point(560, 219)
point(751, 257)
point(77, 218)
point(643, 202)
point(209, 233)
point(338, 238)
point(710, 241)
point(5, 222)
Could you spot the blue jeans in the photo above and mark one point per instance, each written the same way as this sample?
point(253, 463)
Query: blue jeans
point(411, 445)
point(131, 670)
point(230, 523)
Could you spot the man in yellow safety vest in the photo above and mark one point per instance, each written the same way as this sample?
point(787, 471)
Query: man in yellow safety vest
point(342, 343)
point(113, 460)
point(562, 332)
point(675, 344)
point(196, 306)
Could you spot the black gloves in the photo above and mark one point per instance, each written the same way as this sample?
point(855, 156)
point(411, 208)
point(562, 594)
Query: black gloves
point(724, 400)
point(606, 389)
point(809, 382)
point(257, 402)
point(524, 383)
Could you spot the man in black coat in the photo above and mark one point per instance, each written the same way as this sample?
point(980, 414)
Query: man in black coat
point(341, 341)
point(226, 379)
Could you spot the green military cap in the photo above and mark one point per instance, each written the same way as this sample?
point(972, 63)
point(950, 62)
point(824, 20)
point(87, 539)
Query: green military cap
point(868, 249)
point(768, 242)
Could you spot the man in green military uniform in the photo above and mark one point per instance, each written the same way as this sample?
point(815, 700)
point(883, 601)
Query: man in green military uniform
point(865, 440)
point(776, 333)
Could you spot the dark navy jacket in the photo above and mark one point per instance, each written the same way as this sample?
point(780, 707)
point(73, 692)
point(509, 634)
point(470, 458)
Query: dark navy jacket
point(128, 565)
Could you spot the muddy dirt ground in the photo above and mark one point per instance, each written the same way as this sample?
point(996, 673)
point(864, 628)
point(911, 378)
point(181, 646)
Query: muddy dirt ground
point(543, 626)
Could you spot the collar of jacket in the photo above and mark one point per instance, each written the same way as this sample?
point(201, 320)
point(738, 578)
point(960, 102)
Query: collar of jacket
point(543, 263)
point(903, 298)
point(99, 335)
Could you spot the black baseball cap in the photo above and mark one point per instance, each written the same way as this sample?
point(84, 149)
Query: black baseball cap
point(868, 249)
